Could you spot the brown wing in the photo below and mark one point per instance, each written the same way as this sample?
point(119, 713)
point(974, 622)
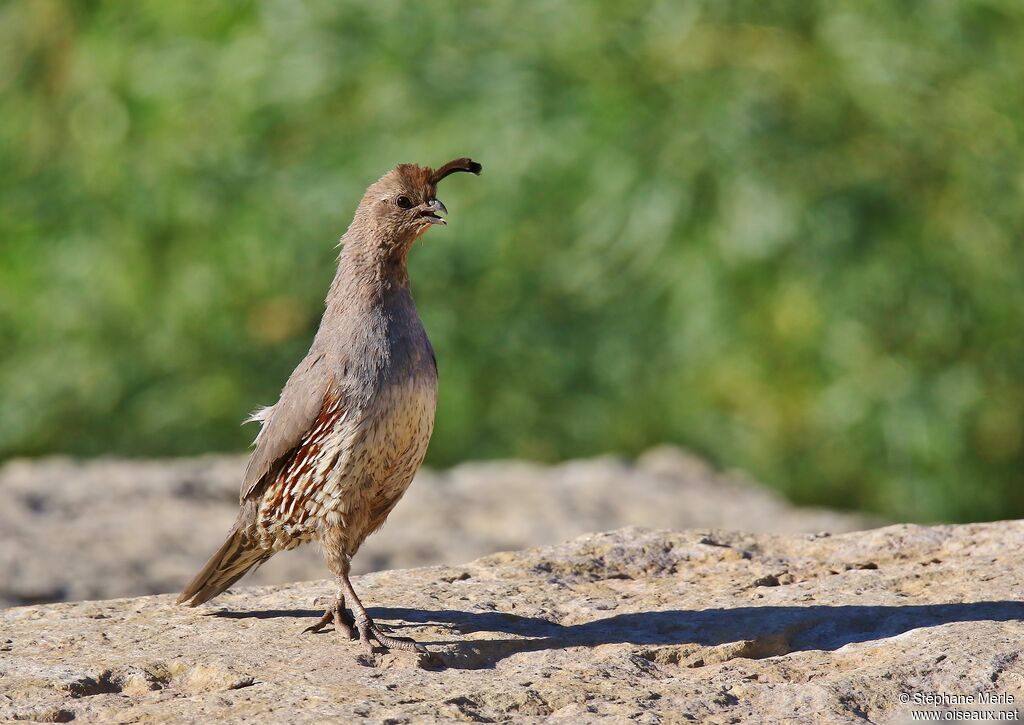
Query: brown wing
point(285, 422)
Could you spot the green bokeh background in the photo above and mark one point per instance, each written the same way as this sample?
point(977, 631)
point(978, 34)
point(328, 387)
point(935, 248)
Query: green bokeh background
point(787, 235)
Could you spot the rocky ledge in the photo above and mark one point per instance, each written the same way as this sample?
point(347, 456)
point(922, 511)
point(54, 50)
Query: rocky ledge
point(632, 625)
point(120, 528)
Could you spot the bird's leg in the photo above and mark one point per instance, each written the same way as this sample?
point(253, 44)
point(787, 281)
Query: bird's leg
point(336, 614)
point(369, 631)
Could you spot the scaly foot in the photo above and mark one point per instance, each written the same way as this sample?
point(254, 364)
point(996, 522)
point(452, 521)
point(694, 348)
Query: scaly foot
point(339, 616)
point(370, 632)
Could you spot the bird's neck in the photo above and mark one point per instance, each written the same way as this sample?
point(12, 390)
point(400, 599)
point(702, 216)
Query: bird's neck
point(370, 271)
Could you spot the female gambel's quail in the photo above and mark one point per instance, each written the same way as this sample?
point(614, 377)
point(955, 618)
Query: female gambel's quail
point(340, 446)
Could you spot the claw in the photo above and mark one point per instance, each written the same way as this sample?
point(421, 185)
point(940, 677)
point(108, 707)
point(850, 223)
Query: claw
point(339, 617)
point(323, 622)
point(369, 631)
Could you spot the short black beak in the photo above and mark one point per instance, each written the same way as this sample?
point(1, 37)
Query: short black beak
point(432, 210)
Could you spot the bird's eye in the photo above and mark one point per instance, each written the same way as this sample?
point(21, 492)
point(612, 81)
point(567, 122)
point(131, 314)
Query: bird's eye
point(404, 202)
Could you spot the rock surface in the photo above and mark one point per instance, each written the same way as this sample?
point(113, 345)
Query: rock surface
point(74, 530)
point(628, 626)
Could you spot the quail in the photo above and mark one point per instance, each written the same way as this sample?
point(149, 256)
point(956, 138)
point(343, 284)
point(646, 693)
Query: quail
point(339, 448)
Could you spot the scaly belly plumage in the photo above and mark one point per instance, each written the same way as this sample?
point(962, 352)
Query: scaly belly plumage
point(350, 471)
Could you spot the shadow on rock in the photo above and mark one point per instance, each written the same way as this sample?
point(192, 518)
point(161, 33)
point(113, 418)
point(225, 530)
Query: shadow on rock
point(712, 635)
point(269, 614)
point(751, 632)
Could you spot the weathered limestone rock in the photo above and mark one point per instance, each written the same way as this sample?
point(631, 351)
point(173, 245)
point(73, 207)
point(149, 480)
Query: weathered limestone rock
point(112, 528)
point(632, 625)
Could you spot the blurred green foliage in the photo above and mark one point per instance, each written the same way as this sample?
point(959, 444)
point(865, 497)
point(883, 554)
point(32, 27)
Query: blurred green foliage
point(784, 234)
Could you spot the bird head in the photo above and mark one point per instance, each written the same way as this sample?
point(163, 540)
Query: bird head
point(400, 206)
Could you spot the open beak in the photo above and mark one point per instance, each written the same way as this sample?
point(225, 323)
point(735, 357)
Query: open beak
point(432, 210)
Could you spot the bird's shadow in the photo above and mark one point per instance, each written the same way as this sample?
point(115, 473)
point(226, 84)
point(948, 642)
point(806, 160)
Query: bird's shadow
point(780, 629)
point(268, 614)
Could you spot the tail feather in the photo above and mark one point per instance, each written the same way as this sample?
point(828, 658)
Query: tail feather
point(233, 559)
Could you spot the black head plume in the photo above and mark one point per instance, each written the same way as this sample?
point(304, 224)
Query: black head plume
point(464, 164)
